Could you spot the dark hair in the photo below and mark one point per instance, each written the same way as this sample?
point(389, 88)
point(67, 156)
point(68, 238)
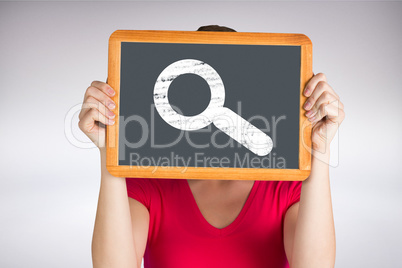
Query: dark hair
point(215, 28)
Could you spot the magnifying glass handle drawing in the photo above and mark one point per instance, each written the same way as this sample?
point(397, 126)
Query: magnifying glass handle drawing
point(243, 131)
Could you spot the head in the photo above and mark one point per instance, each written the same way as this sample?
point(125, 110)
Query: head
point(215, 28)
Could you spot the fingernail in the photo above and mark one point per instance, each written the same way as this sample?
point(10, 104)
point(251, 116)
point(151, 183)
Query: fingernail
point(307, 105)
point(306, 91)
point(111, 92)
point(111, 122)
point(311, 119)
point(309, 113)
point(111, 114)
point(111, 105)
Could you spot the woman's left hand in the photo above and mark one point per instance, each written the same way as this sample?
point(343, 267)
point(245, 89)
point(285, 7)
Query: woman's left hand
point(324, 111)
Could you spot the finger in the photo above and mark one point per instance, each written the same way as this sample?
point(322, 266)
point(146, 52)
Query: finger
point(310, 86)
point(333, 114)
point(331, 111)
point(104, 87)
point(325, 98)
point(98, 86)
point(320, 89)
point(92, 103)
point(87, 123)
point(99, 95)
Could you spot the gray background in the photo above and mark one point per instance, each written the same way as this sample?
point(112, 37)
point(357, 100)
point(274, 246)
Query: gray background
point(50, 53)
point(264, 80)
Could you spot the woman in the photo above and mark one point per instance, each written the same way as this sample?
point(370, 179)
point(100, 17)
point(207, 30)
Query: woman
point(216, 223)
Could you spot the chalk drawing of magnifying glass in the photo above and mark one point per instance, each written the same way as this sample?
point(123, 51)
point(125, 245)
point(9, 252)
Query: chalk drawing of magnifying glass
point(223, 118)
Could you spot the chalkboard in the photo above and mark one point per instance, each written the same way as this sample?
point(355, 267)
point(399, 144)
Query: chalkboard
point(209, 105)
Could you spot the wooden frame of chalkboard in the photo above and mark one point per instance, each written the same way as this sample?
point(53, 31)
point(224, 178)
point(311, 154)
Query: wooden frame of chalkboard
point(199, 37)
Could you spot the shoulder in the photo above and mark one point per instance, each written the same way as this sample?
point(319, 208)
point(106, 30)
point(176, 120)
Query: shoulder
point(146, 190)
point(285, 192)
point(283, 187)
point(148, 184)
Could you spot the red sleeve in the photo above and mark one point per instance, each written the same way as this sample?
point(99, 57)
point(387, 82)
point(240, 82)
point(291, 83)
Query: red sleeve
point(140, 190)
point(294, 191)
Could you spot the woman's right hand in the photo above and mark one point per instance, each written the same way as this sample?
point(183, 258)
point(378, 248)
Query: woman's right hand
point(96, 112)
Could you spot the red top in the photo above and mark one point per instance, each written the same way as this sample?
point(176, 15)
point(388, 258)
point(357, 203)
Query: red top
point(179, 236)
